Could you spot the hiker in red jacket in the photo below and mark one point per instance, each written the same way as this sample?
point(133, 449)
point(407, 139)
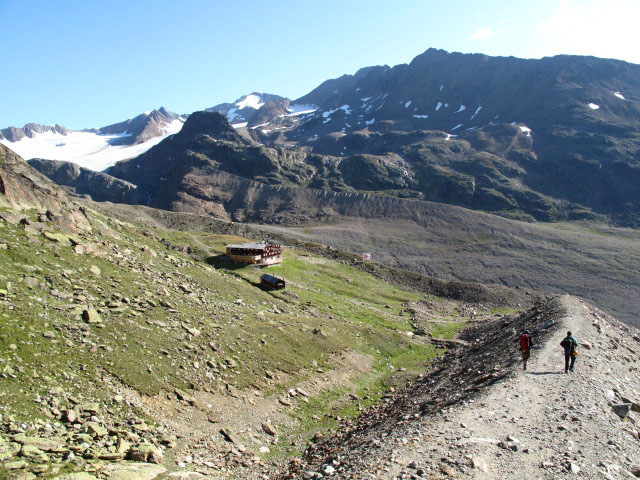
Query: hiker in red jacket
point(526, 342)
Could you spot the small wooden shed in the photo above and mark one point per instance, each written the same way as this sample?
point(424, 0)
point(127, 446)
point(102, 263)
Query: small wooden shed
point(271, 282)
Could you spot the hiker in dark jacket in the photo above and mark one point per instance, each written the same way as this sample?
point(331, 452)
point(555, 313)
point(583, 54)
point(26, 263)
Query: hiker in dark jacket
point(570, 346)
point(526, 342)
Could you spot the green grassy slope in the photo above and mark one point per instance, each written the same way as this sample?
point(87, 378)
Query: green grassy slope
point(173, 315)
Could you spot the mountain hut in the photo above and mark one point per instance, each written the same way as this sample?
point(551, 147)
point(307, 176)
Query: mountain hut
point(271, 282)
point(262, 253)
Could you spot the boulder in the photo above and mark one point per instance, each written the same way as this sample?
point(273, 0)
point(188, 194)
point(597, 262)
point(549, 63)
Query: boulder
point(60, 237)
point(95, 429)
point(24, 476)
point(91, 407)
point(479, 464)
point(635, 406)
point(34, 454)
point(14, 465)
point(133, 471)
point(91, 316)
point(50, 444)
point(182, 395)
point(269, 429)
point(76, 476)
point(621, 409)
point(7, 449)
point(145, 453)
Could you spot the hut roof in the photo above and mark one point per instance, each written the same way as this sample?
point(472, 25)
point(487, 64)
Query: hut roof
point(252, 245)
point(270, 278)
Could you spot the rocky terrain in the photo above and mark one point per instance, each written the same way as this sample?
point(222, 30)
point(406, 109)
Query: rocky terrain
point(83, 181)
point(130, 350)
point(477, 414)
point(253, 109)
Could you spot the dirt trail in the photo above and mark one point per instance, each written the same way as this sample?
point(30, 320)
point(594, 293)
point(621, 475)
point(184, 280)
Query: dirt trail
point(535, 424)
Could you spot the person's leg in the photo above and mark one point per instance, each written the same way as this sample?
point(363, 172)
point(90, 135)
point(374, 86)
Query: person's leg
point(566, 362)
point(573, 360)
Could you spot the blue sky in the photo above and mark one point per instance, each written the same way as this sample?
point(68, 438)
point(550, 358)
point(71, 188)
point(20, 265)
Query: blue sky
point(91, 63)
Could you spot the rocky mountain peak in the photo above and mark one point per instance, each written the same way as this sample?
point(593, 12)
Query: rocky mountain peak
point(30, 130)
point(244, 108)
point(269, 111)
point(213, 124)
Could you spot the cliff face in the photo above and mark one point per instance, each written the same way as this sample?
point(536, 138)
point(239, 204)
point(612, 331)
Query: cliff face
point(24, 188)
point(100, 186)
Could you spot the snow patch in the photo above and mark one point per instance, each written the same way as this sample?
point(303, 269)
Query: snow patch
point(406, 105)
point(345, 108)
point(457, 126)
point(366, 99)
point(441, 87)
point(476, 112)
point(438, 106)
point(421, 116)
point(251, 101)
point(295, 110)
point(370, 122)
point(619, 95)
point(461, 109)
point(239, 125)
point(526, 130)
point(593, 106)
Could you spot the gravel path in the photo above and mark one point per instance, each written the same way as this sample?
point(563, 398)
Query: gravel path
point(537, 424)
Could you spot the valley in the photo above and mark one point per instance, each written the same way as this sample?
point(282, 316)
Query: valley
point(494, 194)
point(124, 339)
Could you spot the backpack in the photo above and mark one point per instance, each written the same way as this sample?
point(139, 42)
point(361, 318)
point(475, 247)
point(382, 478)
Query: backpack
point(525, 342)
point(569, 345)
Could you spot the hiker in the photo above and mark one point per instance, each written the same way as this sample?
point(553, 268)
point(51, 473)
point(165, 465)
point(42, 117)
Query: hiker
point(526, 342)
point(570, 346)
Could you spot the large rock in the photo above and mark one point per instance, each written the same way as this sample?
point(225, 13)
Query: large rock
point(34, 454)
point(50, 444)
point(621, 409)
point(95, 429)
point(133, 471)
point(145, 453)
point(24, 476)
point(76, 476)
point(7, 449)
point(91, 316)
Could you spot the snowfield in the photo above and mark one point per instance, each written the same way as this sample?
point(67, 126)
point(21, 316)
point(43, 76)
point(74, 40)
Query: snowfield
point(295, 110)
point(88, 150)
point(253, 101)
